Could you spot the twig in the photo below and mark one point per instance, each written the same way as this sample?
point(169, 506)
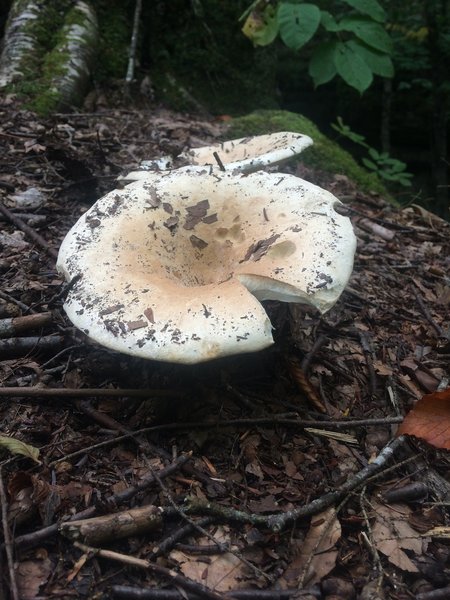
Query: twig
point(368, 354)
point(274, 420)
point(17, 325)
point(65, 289)
point(320, 341)
point(33, 392)
point(18, 346)
point(168, 574)
point(8, 542)
point(277, 522)
point(28, 231)
point(171, 540)
point(370, 541)
point(219, 161)
point(99, 530)
point(126, 592)
point(426, 313)
point(18, 303)
point(304, 384)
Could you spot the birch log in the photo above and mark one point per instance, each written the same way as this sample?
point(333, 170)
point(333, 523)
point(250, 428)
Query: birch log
point(61, 73)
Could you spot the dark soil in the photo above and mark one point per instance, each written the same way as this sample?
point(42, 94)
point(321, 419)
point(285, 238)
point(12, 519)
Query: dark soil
point(262, 434)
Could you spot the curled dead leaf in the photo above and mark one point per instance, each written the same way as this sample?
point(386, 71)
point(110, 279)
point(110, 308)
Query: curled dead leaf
point(429, 420)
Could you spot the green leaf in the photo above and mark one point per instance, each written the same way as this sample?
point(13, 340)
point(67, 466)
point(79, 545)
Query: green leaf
point(374, 154)
point(328, 21)
point(18, 447)
point(379, 63)
point(298, 23)
point(372, 34)
point(369, 164)
point(369, 7)
point(261, 27)
point(321, 66)
point(351, 67)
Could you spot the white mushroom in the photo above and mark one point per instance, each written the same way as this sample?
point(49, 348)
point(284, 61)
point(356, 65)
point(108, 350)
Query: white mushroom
point(250, 153)
point(174, 267)
point(244, 154)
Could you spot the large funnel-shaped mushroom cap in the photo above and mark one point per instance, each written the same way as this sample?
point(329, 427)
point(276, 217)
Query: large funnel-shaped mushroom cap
point(172, 268)
point(250, 153)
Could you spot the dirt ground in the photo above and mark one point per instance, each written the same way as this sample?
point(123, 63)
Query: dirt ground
point(267, 476)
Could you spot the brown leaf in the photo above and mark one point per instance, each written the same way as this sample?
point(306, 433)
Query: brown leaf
point(31, 575)
point(221, 573)
point(320, 541)
point(429, 420)
point(393, 534)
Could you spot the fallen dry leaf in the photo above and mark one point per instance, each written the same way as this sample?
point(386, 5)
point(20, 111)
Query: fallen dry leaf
point(393, 535)
point(220, 573)
point(429, 420)
point(320, 541)
point(31, 575)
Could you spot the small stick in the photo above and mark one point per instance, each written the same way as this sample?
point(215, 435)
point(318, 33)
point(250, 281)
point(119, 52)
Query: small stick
point(219, 161)
point(126, 592)
point(8, 298)
point(368, 354)
point(171, 540)
point(426, 313)
point(17, 325)
point(18, 346)
point(305, 386)
point(169, 574)
point(103, 529)
point(8, 542)
point(320, 341)
point(379, 230)
point(28, 231)
point(33, 392)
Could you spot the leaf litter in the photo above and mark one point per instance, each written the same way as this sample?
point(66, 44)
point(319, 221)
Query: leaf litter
point(384, 346)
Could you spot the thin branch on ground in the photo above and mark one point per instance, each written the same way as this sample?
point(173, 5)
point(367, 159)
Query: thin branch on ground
point(29, 231)
point(17, 325)
point(125, 592)
point(33, 392)
point(8, 542)
point(18, 346)
point(168, 543)
point(370, 542)
point(318, 343)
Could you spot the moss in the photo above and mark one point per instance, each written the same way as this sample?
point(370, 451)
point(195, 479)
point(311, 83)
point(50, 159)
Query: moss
point(324, 154)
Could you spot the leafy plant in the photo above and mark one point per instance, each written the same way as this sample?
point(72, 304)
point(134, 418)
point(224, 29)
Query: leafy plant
point(381, 163)
point(353, 45)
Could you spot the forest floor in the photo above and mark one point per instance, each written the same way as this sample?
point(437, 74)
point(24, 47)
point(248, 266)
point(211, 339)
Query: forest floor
point(263, 476)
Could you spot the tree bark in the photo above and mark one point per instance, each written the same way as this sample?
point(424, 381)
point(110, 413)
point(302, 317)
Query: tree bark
point(58, 76)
